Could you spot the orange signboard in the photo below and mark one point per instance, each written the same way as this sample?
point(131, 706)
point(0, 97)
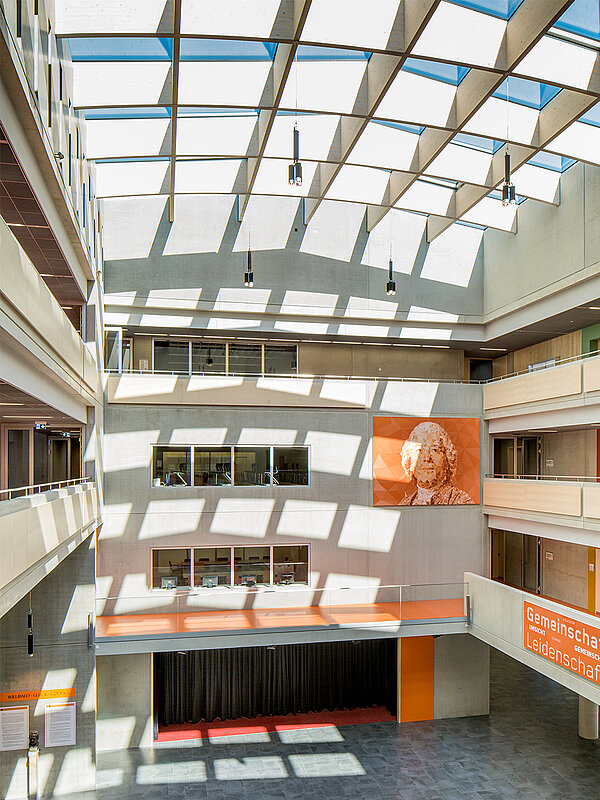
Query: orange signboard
point(38, 694)
point(566, 641)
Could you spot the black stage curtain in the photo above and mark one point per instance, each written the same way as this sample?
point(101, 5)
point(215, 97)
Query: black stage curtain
point(204, 685)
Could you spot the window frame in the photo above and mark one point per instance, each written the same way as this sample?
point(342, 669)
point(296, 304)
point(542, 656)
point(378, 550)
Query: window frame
point(227, 345)
point(232, 586)
point(232, 447)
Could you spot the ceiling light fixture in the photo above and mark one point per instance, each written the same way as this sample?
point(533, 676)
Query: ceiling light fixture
point(509, 196)
point(390, 287)
point(295, 168)
point(248, 274)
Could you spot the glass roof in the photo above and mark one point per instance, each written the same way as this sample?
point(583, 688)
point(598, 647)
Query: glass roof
point(387, 120)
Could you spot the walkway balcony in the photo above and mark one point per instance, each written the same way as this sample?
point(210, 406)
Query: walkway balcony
point(572, 502)
point(39, 527)
point(217, 618)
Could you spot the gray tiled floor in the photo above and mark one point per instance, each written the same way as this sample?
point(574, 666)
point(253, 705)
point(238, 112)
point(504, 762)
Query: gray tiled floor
point(527, 749)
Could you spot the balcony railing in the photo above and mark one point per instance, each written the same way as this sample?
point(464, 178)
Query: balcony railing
point(575, 498)
point(577, 478)
point(38, 488)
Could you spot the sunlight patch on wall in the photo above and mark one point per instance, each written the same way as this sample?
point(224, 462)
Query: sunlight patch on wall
point(399, 235)
point(129, 226)
point(198, 435)
point(244, 300)
point(451, 257)
point(279, 211)
point(171, 517)
point(187, 236)
point(240, 516)
point(372, 309)
point(334, 453)
point(301, 327)
point(370, 529)
point(187, 298)
point(333, 230)
point(314, 304)
point(76, 618)
point(267, 436)
point(128, 449)
point(312, 519)
point(409, 398)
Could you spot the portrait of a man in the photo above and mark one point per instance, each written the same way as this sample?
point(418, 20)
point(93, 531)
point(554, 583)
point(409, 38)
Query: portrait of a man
point(421, 461)
point(430, 458)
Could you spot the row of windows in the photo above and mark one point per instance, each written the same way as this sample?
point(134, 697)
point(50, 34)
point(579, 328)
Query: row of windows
point(210, 567)
point(186, 357)
point(185, 465)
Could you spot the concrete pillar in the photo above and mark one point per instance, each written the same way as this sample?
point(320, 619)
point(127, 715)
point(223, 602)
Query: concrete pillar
point(588, 718)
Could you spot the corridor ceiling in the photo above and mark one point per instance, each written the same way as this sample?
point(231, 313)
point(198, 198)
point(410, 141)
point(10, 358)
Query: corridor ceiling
point(402, 104)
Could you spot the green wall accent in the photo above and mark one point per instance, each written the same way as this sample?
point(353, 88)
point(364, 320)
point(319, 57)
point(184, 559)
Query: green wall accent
point(587, 337)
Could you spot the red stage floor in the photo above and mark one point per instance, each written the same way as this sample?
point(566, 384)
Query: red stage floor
point(289, 722)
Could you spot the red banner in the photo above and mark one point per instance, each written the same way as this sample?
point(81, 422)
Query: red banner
point(568, 642)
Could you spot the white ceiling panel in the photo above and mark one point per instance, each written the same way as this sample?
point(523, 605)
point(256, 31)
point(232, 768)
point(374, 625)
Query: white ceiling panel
point(121, 83)
point(131, 178)
point(345, 22)
point(459, 163)
point(492, 213)
point(114, 138)
point(501, 120)
point(74, 17)
point(426, 198)
point(555, 61)
point(229, 17)
point(359, 184)
point(579, 141)
point(414, 98)
point(384, 146)
point(272, 178)
point(324, 85)
point(537, 183)
point(206, 177)
point(222, 83)
point(215, 135)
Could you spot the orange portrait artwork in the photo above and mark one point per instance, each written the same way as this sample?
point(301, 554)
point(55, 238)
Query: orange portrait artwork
point(426, 461)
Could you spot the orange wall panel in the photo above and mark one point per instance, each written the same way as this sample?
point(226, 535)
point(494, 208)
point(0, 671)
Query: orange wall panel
point(416, 678)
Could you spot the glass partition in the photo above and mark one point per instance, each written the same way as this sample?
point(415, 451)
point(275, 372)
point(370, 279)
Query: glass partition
point(251, 566)
point(245, 359)
point(212, 467)
point(212, 566)
point(171, 356)
point(280, 360)
point(171, 466)
point(290, 564)
point(290, 466)
point(171, 569)
point(208, 358)
point(252, 466)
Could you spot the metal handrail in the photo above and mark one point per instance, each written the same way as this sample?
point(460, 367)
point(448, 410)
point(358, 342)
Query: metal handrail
point(559, 362)
point(287, 375)
point(39, 488)
point(578, 478)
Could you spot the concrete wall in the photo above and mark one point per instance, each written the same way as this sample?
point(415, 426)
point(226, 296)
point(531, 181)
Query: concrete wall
point(62, 659)
point(124, 687)
point(36, 532)
point(461, 677)
point(325, 278)
point(565, 572)
point(351, 541)
point(498, 621)
point(572, 453)
point(555, 248)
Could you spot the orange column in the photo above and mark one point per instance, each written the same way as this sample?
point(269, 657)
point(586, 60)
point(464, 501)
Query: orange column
point(415, 673)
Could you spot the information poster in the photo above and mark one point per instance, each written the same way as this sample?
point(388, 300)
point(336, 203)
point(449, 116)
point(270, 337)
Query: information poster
point(59, 724)
point(14, 728)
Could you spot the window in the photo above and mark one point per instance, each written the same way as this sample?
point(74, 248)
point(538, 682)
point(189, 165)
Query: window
point(212, 566)
point(245, 359)
point(171, 569)
point(176, 465)
point(252, 466)
point(280, 360)
point(290, 564)
point(212, 467)
point(208, 358)
point(171, 466)
point(227, 567)
point(171, 356)
point(252, 566)
point(290, 466)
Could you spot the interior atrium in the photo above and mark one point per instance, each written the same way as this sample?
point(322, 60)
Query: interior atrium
point(274, 274)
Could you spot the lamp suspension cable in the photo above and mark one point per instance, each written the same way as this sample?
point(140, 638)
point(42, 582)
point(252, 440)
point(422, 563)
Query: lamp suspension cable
point(295, 168)
point(509, 195)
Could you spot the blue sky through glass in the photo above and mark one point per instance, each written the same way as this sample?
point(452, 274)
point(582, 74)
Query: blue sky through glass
point(504, 9)
point(121, 48)
point(583, 18)
point(448, 73)
point(526, 93)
